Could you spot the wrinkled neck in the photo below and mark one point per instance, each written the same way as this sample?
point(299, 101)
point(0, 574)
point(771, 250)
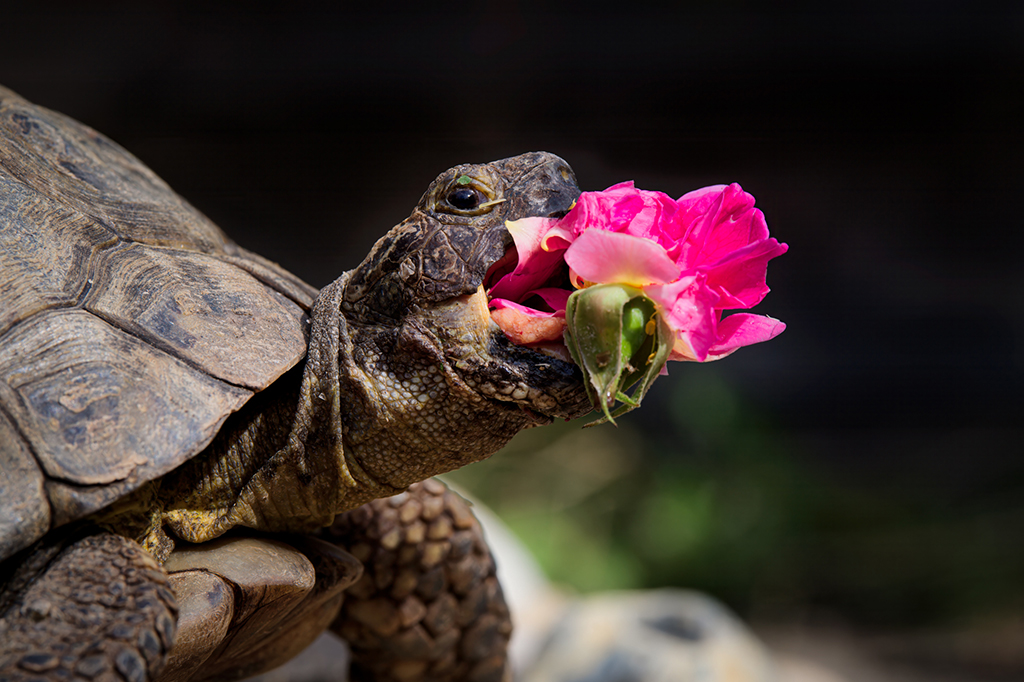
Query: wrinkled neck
point(277, 465)
point(373, 409)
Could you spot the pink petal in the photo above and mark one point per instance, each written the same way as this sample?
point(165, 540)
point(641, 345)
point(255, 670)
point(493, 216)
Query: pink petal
point(536, 265)
point(700, 199)
point(624, 208)
point(607, 210)
point(607, 257)
point(525, 326)
point(554, 297)
point(501, 303)
point(729, 222)
point(740, 278)
point(743, 329)
point(688, 306)
point(657, 220)
point(556, 238)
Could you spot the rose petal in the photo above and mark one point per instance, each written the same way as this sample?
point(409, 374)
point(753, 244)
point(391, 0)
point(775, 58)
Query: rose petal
point(743, 329)
point(740, 278)
point(688, 306)
point(500, 303)
point(554, 297)
point(607, 257)
point(695, 257)
point(524, 325)
point(624, 208)
point(536, 265)
point(556, 238)
point(611, 209)
point(721, 224)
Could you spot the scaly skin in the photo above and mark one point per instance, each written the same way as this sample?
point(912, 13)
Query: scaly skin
point(428, 606)
point(104, 611)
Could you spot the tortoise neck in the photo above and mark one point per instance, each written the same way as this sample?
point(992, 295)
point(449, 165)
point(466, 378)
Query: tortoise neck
point(278, 465)
point(289, 461)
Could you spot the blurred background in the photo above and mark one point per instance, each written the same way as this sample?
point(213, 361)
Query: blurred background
point(860, 479)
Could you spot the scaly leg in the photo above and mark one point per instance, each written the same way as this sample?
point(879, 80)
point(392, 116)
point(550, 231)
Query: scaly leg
point(97, 607)
point(429, 606)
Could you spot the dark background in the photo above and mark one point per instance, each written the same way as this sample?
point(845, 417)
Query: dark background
point(867, 463)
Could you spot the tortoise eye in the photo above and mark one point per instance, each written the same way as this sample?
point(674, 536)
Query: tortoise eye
point(465, 198)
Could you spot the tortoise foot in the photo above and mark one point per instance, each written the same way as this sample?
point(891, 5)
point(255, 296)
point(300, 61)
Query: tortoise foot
point(100, 608)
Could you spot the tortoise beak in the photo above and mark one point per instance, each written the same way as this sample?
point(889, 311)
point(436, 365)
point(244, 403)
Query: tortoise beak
point(544, 185)
point(541, 185)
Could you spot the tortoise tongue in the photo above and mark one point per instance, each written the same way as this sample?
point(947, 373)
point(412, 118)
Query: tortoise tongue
point(543, 334)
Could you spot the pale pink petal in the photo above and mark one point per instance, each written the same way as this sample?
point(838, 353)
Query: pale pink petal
point(576, 280)
point(688, 306)
point(681, 352)
point(536, 265)
point(556, 238)
point(743, 329)
point(611, 257)
point(525, 326)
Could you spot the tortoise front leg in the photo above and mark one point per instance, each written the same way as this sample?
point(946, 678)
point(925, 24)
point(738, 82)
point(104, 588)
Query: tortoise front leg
point(428, 606)
point(97, 608)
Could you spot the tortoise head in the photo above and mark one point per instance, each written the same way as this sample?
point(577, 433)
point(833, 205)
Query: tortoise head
point(455, 233)
point(421, 333)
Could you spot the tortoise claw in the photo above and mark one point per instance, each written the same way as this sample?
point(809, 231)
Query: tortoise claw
point(250, 604)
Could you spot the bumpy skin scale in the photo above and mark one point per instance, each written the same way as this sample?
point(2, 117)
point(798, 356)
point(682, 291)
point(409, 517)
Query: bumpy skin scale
point(104, 609)
point(429, 606)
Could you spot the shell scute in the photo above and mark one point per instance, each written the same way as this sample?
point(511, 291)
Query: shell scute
point(98, 405)
point(130, 325)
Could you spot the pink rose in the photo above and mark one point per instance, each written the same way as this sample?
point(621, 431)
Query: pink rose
point(695, 258)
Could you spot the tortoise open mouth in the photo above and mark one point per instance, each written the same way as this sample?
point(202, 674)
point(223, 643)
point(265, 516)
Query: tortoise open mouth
point(543, 334)
point(535, 379)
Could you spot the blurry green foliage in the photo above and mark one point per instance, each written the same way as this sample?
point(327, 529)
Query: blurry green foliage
point(698, 490)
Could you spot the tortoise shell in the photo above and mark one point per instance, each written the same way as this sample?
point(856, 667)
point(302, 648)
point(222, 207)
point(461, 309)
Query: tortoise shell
point(130, 325)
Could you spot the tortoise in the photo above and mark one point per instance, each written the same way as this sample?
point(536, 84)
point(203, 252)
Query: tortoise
point(190, 436)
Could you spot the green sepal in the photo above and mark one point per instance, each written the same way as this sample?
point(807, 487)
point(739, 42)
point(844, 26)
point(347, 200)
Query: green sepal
point(594, 319)
point(607, 337)
point(662, 341)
